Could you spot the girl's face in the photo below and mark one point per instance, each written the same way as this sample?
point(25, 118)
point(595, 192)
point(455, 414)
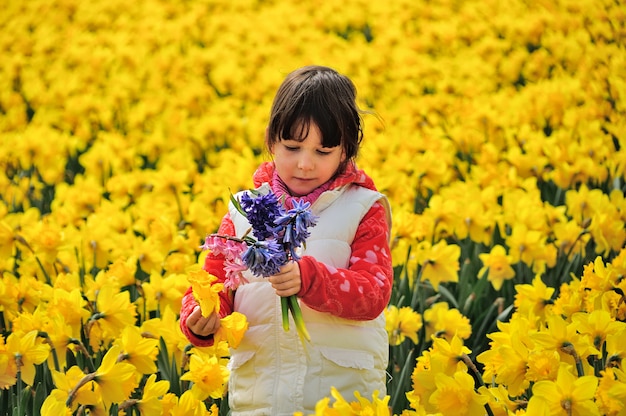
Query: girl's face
point(305, 165)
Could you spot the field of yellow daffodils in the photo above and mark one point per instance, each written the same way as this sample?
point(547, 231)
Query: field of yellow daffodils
point(499, 137)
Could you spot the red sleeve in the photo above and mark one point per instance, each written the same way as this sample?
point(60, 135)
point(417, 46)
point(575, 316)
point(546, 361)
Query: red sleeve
point(213, 264)
point(362, 291)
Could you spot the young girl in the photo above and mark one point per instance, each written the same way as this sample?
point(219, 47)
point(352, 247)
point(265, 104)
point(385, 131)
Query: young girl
point(343, 279)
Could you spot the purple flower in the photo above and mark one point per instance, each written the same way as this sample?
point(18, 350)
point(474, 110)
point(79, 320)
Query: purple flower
point(262, 211)
point(294, 225)
point(264, 258)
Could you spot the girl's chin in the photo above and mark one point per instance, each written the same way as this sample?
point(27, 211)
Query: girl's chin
point(300, 191)
point(300, 188)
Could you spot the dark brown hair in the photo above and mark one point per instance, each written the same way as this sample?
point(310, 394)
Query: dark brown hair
point(320, 95)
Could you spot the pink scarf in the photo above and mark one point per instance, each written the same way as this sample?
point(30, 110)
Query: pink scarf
point(267, 173)
point(281, 191)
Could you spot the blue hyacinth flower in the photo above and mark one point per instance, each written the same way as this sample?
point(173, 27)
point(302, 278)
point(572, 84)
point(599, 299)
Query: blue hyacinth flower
point(264, 258)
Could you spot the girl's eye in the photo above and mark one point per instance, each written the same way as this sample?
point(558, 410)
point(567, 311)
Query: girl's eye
point(323, 152)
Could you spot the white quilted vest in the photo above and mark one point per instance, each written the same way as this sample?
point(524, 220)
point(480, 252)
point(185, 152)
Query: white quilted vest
point(272, 373)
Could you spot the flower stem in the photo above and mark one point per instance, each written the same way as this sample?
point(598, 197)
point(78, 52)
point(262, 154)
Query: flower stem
point(72, 393)
point(284, 306)
point(568, 348)
point(297, 317)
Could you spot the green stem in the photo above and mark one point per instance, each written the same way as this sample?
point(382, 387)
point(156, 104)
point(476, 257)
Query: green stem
point(20, 387)
point(284, 306)
point(52, 349)
point(294, 306)
point(417, 293)
point(22, 240)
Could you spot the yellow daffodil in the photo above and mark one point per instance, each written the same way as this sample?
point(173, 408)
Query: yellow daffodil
point(506, 360)
point(123, 270)
point(441, 321)
point(208, 374)
point(362, 406)
point(571, 238)
point(500, 402)
point(189, 405)
point(47, 240)
point(616, 344)
point(597, 325)
point(532, 300)
point(582, 202)
point(29, 321)
point(30, 292)
point(55, 404)
point(71, 306)
point(524, 244)
point(442, 214)
point(453, 352)
point(232, 329)
point(74, 381)
point(402, 323)
point(9, 296)
point(423, 378)
point(599, 276)
point(542, 365)
point(161, 291)
point(497, 265)
point(153, 391)
point(7, 240)
point(115, 311)
point(27, 350)
point(611, 393)
point(562, 337)
point(568, 394)
point(608, 230)
point(140, 351)
point(60, 335)
point(205, 290)
point(167, 328)
point(115, 378)
point(8, 367)
point(571, 299)
point(440, 262)
point(456, 396)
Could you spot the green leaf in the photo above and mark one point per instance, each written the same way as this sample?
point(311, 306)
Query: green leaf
point(163, 362)
point(447, 295)
point(23, 400)
point(175, 386)
point(237, 205)
point(403, 384)
point(40, 396)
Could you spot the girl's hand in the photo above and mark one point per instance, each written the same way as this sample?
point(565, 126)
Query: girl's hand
point(202, 326)
point(287, 282)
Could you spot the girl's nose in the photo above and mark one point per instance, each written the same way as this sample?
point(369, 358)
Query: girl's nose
point(305, 163)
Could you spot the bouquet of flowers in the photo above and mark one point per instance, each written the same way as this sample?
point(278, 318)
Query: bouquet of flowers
point(277, 233)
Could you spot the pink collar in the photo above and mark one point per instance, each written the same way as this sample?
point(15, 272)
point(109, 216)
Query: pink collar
point(266, 173)
point(282, 192)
